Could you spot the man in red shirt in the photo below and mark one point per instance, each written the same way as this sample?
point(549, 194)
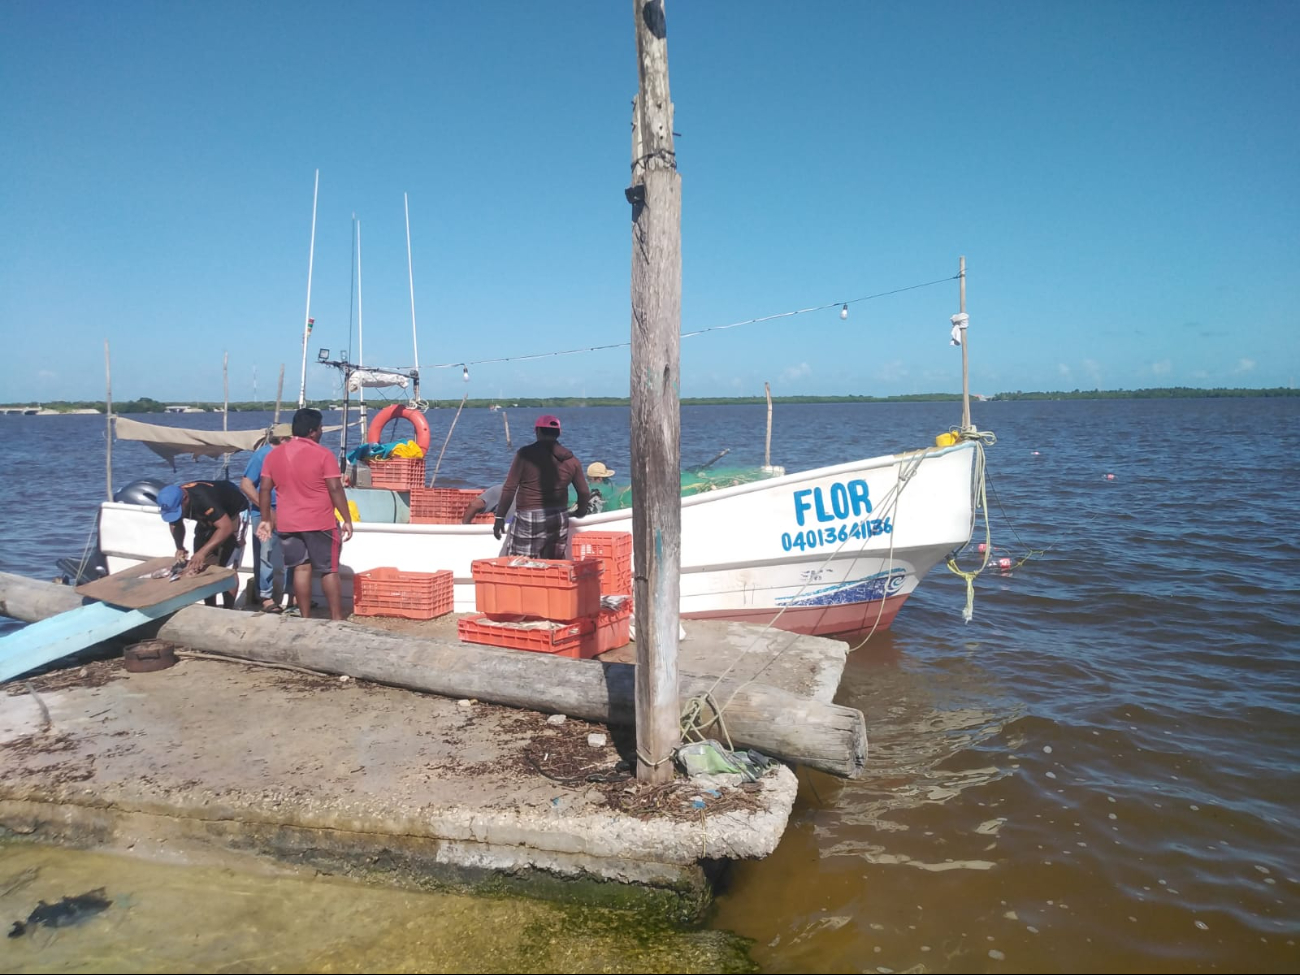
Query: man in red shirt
point(309, 489)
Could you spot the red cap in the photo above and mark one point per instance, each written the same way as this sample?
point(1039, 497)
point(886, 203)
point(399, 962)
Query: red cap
point(547, 422)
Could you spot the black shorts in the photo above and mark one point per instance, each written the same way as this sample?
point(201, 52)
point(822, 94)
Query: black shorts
point(321, 548)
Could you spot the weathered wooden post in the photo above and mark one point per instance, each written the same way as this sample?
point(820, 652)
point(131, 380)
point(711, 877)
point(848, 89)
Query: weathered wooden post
point(655, 195)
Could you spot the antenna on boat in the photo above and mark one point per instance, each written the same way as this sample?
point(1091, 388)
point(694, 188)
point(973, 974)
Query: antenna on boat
point(307, 323)
point(410, 277)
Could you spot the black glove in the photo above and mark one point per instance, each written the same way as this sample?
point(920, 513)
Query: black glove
point(498, 528)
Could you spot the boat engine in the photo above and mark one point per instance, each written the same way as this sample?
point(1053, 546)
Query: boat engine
point(143, 491)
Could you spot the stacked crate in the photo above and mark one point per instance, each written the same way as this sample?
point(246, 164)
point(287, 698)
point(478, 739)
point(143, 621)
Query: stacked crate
point(397, 473)
point(614, 550)
point(443, 506)
point(408, 595)
point(546, 605)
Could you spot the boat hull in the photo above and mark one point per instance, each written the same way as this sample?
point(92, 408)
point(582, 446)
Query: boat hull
point(832, 551)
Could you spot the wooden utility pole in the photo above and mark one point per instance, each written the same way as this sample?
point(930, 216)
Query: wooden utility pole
point(965, 351)
point(655, 195)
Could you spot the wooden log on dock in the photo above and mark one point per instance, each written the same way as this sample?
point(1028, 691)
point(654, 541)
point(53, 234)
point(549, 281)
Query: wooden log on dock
point(827, 737)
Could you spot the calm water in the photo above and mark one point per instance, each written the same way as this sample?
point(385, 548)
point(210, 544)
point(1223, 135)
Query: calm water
point(1098, 773)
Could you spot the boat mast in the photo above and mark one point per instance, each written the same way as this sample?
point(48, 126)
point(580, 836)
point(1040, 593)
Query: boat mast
point(361, 335)
point(225, 409)
point(108, 419)
point(306, 323)
point(965, 353)
point(346, 369)
point(410, 277)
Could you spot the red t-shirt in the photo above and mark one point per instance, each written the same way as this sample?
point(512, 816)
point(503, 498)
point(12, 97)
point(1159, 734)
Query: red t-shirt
point(301, 469)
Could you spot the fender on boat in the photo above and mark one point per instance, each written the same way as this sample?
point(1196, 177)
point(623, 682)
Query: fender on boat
point(398, 411)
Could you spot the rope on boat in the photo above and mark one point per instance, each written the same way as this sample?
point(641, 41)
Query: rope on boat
point(981, 439)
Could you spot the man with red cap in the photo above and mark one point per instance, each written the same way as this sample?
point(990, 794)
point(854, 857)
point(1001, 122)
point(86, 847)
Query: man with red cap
point(538, 486)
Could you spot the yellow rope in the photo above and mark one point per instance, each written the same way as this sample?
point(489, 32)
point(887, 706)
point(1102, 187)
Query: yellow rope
point(982, 440)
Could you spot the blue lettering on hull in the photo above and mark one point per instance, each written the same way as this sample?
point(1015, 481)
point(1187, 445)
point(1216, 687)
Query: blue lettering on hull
point(844, 500)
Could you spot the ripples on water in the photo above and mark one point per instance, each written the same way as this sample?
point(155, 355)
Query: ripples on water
point(1098, 773)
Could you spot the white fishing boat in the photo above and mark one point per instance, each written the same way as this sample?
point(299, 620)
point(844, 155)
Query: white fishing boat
point(837, 550)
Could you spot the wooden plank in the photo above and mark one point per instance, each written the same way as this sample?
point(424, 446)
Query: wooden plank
point(81, 627)
point(828, 737)
point(134, 589)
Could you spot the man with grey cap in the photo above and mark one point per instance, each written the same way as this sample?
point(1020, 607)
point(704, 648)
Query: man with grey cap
point(265, 554)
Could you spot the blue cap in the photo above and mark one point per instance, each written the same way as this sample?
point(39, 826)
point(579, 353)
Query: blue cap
point(169, 499)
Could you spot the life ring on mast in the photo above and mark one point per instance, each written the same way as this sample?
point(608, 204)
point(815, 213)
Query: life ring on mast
point(396, 412)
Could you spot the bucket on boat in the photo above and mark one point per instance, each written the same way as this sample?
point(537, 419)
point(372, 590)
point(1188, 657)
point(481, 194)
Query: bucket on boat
point(946, 439)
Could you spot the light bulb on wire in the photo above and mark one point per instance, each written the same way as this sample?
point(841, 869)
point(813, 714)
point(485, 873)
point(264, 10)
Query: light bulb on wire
point(844, 311)
point(464, 373)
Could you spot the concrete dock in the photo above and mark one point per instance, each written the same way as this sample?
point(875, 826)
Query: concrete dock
point(213, 757)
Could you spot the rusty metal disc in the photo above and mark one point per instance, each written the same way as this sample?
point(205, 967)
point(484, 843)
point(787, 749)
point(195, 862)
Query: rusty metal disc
point(149, 655)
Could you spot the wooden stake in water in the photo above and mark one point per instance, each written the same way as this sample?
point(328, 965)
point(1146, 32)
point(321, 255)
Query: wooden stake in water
point(108, 419)
point(655, 195)
point(767, 448)
point(306, 318)
point(279, 395)
point(506, 421)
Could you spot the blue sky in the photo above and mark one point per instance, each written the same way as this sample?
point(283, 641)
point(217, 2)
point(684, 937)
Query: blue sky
point(1122, 178)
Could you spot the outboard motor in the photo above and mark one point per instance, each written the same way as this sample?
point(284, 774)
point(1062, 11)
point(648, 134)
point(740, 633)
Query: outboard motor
point(143, 491)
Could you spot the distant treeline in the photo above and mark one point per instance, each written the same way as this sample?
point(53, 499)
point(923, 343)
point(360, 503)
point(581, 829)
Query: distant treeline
point(1167, 392)
point(148, 405)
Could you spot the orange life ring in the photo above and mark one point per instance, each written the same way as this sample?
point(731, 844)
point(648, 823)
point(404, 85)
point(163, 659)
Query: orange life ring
point(395, 412)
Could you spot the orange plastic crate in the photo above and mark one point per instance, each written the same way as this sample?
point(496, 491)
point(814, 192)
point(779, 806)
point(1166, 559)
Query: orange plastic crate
point(397, 473)
point(614, 628)
point(614, 549)
point(549, 589)
point(577, 640)
point(443, 506)
point(409, 595)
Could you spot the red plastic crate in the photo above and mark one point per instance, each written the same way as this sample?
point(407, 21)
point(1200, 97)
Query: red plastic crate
point(577, 640)
point(614, 628)
point(443, 506)
point(614, 549)
point(397, 473)
point(549, 589)
point(409, 595)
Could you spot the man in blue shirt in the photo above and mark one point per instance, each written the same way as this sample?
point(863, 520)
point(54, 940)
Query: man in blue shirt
point(265, 554)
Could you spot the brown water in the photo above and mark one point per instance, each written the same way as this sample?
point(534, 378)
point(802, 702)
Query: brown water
point(1098, 773)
